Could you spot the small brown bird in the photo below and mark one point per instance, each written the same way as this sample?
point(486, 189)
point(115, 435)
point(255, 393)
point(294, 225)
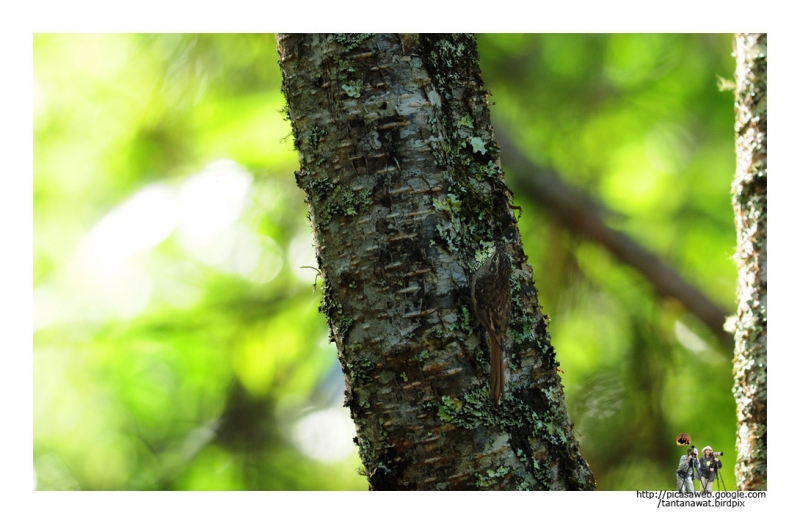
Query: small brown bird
point(491, 301)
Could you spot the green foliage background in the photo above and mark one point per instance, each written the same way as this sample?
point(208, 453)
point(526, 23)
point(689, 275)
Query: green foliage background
point(177, 342)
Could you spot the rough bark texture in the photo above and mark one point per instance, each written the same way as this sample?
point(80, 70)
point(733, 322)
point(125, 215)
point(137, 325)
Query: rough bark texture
point(750, 210)
point(406, 197)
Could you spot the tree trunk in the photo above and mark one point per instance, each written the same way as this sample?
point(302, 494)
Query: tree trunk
point(750, 210)
point(406, 200)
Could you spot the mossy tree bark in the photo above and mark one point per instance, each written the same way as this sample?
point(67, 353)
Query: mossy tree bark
point(406, 197)
point(750, 211)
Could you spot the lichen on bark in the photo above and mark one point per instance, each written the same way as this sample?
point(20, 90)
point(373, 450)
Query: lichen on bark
point(750, 212)
point(406, 197)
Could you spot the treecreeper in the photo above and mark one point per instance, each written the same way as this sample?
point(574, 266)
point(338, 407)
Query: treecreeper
point(491, 302)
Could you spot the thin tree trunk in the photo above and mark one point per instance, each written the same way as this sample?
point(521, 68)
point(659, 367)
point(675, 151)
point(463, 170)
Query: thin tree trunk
point(750, 211)
point(406, 197)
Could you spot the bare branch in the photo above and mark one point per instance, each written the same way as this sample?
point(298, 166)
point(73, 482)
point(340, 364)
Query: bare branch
point(582, 214)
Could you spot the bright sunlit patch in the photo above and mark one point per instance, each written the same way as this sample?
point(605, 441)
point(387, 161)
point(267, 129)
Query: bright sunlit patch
point(302, 257)
point(240, 251)
point(124, 294)
point(128, 292)
point(94, 297)
point(103, 280)
point(269, 262)
point(688, 339)
point(326, 436)
point(137, 225)
point(208, 206)
point(212, 200)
